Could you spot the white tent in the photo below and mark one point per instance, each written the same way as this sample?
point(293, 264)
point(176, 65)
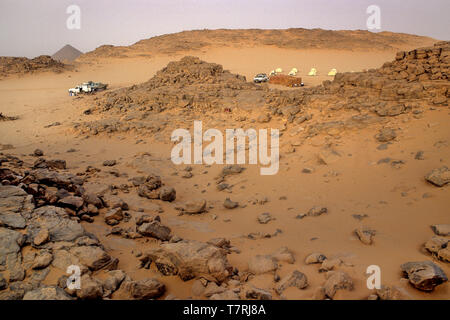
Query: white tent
point(313, 72)
point(332, 72)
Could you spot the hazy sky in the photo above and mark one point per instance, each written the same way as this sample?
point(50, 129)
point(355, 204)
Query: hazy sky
point(34, 27)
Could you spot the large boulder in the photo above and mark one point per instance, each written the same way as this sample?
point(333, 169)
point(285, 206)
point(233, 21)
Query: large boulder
point(189, 259)
point(15, 206)
point(57, 222)
point(439, 177)
point(424, 275)
point(144, 289)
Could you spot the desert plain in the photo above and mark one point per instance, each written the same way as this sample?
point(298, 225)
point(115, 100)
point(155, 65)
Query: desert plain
point(87, 180)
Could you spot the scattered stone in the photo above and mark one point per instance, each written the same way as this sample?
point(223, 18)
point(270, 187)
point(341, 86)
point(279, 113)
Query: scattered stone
point(317, 211)
point(195, 206)
point(230, 204)
point(114, 214)
point(38, 153)
point(257, 293)
point(365, 234)
point(337, 280)
point(315, 258)
point(295, 279)
point(265, 217)
point(167, 194)
point(109, 163)
point(154, 229)
point(441, 229)
point(260, 264)
point(386, 134)
point(283, 254)
point(439, 177)
point(329, 264)
point(145, 289)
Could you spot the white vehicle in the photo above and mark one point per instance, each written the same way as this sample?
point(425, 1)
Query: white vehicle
point(87, 87)
point(262, 77)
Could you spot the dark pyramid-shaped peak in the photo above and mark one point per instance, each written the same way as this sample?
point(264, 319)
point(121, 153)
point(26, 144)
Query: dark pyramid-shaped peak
point(67, 53)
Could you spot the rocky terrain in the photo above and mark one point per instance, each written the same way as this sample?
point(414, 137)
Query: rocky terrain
point(295, 38)
point(21, 66)
point(191, 87)
point(140, 228)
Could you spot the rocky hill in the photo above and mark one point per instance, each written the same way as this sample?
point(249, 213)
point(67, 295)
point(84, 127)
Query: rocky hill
point(19, 65)
point(197, 87)
point(295, 38)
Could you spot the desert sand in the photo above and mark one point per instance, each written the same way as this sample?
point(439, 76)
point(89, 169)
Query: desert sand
point(327, 160)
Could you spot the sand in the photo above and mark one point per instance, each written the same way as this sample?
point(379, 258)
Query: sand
point(399, 204)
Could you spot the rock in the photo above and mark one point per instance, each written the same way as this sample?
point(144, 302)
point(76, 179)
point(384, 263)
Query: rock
point(441, 229)
point(38, 153)
point(15, 206)
point(295, 279)
point(72, 202)
point(145, 289)
point(189, 259)
point(41, 237)
point(212, 288)
point(317, 211)
point(231, 170)
point(284, 255)
point(195, 207)
point(13, 220)
point(444, 254)
point(264, 218)
point(315, 258)
point(52, 164)
point(112, 281)
point(264, 118)
point(3, 283)
point(43, 260)
point(10, 244)
point(424, 275)
point(435, 244)
point(260, 264)
point(197, 288)
point(385, 135)
point(319, 294)
point(93, 257)
point(226, 295)
point(56, 179)
point(337, 280)
point(154, 229)
point(228, 204)
point(109, 163)
point(439, 177)
point(114, 214)
point(57, 222)
point(167, 194)
point(257, 293)
point(365, 234)
point(329, 264)
point(90, 288)
point(47, 293)
point(390, 293)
